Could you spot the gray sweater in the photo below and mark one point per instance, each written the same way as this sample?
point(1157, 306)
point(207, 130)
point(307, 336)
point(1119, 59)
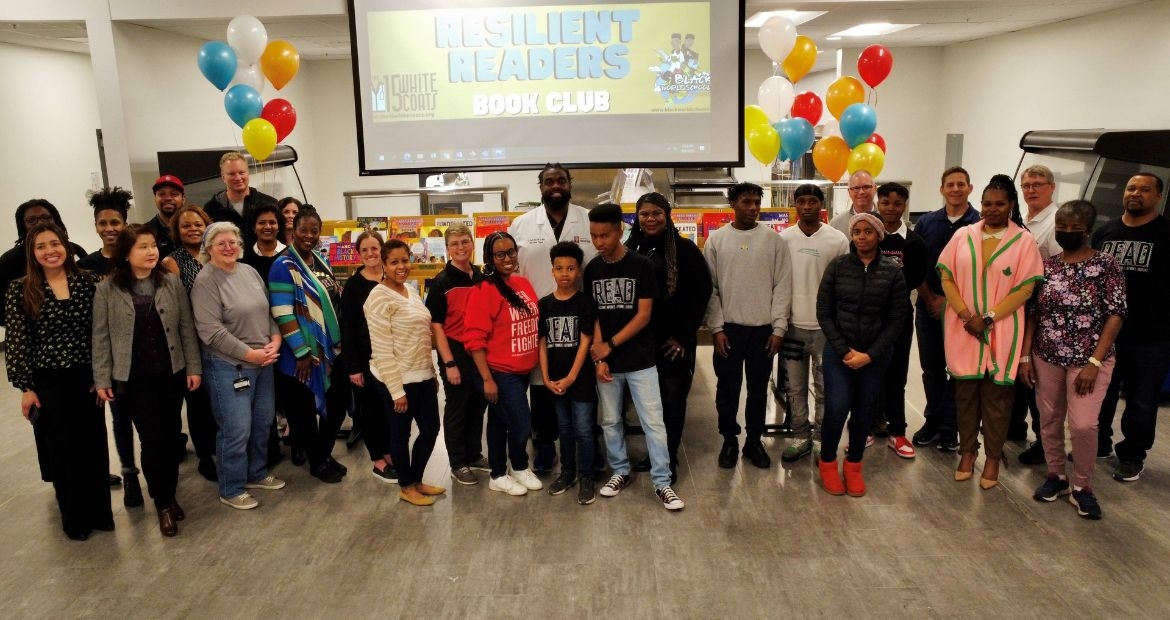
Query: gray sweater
point(751, 275)
point(231, 312)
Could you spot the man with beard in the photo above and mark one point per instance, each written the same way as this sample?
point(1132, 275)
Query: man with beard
point(168, 197)
point(535, 232)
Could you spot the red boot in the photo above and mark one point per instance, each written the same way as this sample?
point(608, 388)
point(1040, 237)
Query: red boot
point(854, 483)
point(831, 478)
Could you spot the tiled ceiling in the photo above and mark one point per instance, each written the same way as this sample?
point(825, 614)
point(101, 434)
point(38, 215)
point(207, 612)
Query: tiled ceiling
point(942, 22)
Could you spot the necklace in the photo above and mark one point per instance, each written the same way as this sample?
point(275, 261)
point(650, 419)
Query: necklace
point(618, 259)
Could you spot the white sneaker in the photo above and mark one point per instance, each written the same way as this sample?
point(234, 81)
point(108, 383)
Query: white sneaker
point(243, 501)
point(269, 483)
point(506, 484)
point(528, 479)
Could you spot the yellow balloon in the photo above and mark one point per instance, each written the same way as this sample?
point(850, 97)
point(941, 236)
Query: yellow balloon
point(830, 156)
point(280, 62)
point(764, 143)
point(259, 138)
point(801, 59)
point(753, 116)
point(869, 157)
point(844, 92)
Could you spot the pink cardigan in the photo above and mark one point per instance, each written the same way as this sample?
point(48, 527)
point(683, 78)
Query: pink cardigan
point(983, 283)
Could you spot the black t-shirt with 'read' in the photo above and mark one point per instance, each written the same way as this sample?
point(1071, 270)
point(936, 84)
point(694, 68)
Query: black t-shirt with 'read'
point(616, 289)
point(561, 326)
point(1144, 254)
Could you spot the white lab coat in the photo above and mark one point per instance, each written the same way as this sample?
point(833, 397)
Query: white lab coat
point(534, 236)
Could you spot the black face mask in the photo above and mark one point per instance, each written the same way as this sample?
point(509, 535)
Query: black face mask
point(1070, 240)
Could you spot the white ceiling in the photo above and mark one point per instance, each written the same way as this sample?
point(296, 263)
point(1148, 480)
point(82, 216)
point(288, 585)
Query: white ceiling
point(943, 22)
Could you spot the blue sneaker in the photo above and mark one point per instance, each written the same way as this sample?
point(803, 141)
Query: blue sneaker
point(1086, 504)
point(1052, 488)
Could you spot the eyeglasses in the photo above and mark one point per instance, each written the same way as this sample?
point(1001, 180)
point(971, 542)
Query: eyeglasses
point(226, 245)
point(861, 188)
point(645, 215)
point(38, 219)
point(1028, 186)
point(502, 254)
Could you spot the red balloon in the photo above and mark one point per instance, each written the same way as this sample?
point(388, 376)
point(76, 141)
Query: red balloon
point(877, 139)
point(808, 105)
point(874, 64)
point(282, 116)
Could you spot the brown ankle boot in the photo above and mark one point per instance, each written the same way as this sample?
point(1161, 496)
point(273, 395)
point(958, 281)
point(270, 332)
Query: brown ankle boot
point(854, 483)
point(166, 522)
point(830, 477)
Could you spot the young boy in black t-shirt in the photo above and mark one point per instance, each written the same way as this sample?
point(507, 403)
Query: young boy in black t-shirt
point(566, 328)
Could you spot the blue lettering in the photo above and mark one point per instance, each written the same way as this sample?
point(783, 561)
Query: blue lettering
point(540, 63)
point(597, 27)
point(512, 65)
point(460, 66)
point(626, 20)
point(589, 62)
point(447, 32)
point(615, 57)
point(554, 28)
point(565, 59)
point(497, 28)
point(570, 25)
point(485, 70)
point(532, 35)
point(472, 32)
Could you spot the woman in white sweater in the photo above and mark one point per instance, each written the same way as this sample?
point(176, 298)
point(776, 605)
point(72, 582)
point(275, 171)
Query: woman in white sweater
point(400, 339)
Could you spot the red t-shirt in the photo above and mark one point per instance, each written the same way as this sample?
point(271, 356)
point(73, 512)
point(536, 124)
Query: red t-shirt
point(509, 335)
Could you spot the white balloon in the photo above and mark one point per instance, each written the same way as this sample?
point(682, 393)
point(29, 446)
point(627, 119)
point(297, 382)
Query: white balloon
point(830, 127)
point(775, 97)
point(777, 37)
point(247, 37)
point(248, 74)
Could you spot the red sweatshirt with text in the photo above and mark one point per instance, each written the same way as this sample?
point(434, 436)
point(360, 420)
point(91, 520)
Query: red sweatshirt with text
point(509, 335)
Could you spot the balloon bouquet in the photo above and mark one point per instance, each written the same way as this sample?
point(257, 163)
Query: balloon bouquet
point(781, 125)
point(241, 66)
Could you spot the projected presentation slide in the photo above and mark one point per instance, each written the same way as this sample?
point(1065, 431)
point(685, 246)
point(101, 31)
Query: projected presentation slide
point(463, 85)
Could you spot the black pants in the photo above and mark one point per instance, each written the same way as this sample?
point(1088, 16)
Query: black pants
point(1142, 368)
point(936, 383)
point(317, 437)
point(893, 399)
point(463, 411)
point(374, 416)
point(200, 423)
point(75, 432)
point(674, 382)
point(1023, 405)
point(154, 403)
point(423, 409)
point(749, 352)
point(545, 428)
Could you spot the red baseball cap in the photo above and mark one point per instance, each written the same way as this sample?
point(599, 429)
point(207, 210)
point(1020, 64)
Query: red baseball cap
point(168, 179)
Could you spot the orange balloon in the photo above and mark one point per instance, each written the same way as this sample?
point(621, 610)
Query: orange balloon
point(868, 157)
point(844, 92)
point(280, 62)
point(801, 59)
point(830, 156)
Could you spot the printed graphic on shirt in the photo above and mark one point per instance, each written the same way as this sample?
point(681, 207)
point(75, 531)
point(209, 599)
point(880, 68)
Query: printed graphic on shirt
point(615, 293)
point(898, 256)
point(810, 251)
point(525, 327)
point(1133, 255)
point(563, 332)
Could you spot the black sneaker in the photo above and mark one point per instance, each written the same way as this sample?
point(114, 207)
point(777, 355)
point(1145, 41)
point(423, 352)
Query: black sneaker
point(1128, 471)
point(642, 464)
point(754, 452)
point(587, 490)
point(462, 475)
point(131, 492)
point(1104, 450)
point(1034, 455)
point(388, 474)
point(480, 464)
point(881, 428)
point(948, 442)
point(565, 481)
point(326, 473)
point(729, 454)
point(614, 485)
point(670, 500)
point(1086, 504)
point(1052, 488)
point(115, 480)
point(925, 435)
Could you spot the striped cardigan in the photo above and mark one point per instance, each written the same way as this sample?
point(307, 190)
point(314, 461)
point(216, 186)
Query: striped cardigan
point(307, 321)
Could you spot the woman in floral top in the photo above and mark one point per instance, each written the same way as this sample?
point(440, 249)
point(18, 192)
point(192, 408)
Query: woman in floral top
point(1075, 320)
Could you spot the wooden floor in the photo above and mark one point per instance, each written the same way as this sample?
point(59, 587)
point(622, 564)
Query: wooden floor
point(751, 543)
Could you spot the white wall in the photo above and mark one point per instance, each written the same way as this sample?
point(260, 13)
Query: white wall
point(48, 140)
point(1107, 71)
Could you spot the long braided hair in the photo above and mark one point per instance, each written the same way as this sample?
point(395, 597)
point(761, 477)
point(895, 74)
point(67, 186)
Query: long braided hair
point(1003, 183)
point(669, 239)
point(490, 274)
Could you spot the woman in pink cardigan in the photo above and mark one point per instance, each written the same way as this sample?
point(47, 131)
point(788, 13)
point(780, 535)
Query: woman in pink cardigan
point(988, 271)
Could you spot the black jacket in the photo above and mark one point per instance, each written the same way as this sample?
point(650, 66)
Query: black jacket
point(862, 307)
point(680, 316)
point(219, 209)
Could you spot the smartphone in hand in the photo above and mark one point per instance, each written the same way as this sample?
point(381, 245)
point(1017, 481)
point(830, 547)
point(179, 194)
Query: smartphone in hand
point(34, 414)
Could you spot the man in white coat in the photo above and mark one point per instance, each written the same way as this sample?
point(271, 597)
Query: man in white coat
point(555, 220)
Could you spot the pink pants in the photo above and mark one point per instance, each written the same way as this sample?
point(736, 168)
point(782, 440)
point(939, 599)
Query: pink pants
point(1057, 398)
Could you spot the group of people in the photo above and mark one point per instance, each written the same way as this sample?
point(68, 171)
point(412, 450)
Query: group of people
point(231, 308)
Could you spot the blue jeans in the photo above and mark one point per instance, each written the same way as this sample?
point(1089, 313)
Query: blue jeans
point(851, 394)
point(575, 419)
point(648, 402)
point(936, 383)
point(244, 418)
point(1141, 367)
point(509, 422)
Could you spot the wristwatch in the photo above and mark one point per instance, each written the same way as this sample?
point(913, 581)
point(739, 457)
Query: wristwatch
point(1094, 361)
point(450, 364)
point(989, 318)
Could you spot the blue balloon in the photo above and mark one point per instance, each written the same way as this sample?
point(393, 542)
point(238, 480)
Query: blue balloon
point(858, 123)
point(217, 63)
point(243, 104)
point(779, 127)
point(796, 138)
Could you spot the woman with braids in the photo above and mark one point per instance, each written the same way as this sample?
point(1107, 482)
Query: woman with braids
point(501, 334)
point(988, 271)
point(684, 287)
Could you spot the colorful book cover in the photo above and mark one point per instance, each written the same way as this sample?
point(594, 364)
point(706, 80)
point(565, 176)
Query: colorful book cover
point(343, 253)
point(712, 221)
point(379, 225)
